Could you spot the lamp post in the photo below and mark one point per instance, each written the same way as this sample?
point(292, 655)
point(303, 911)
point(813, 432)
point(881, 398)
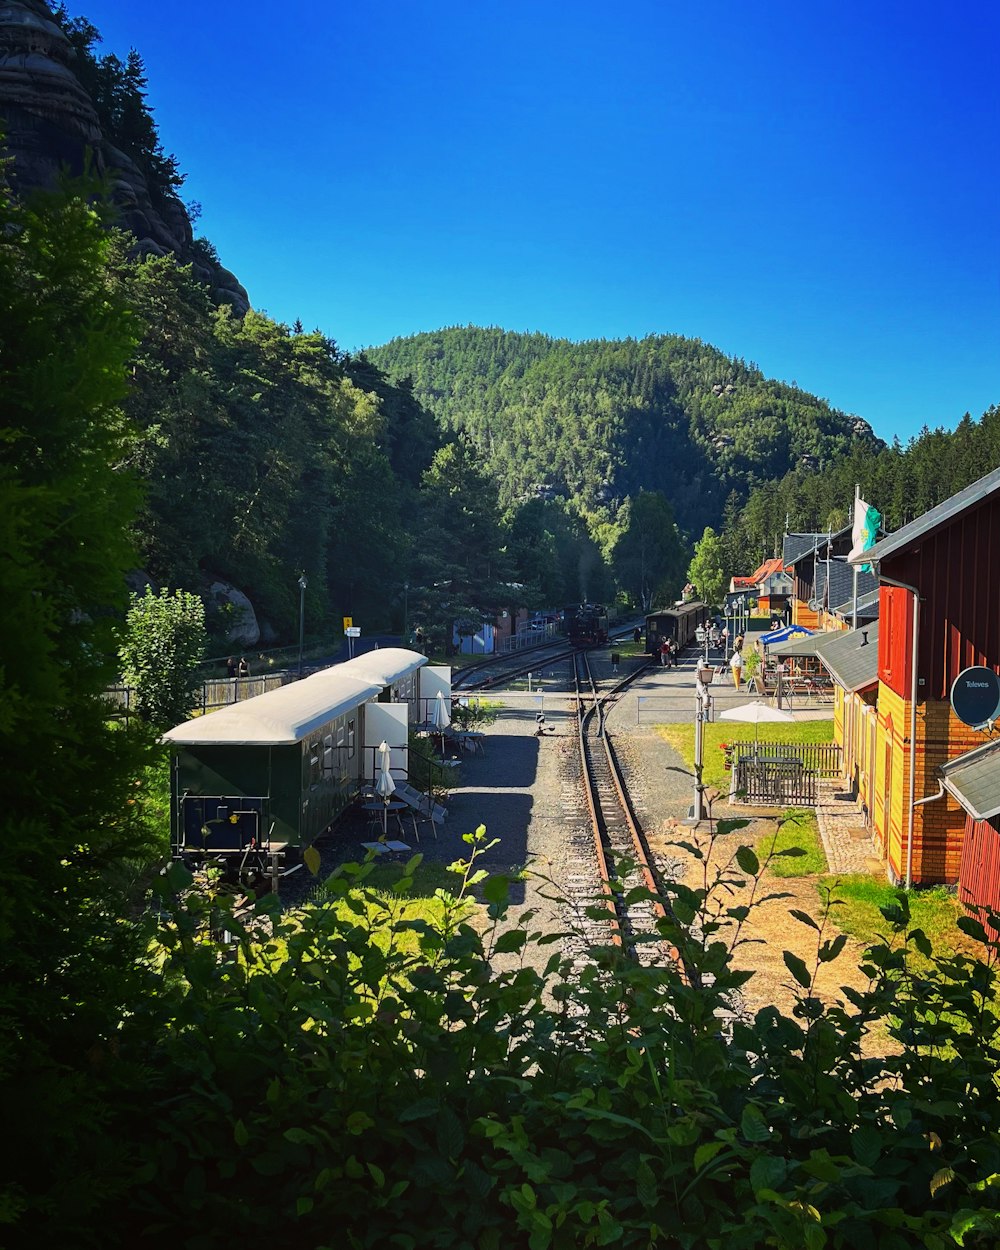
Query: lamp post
point(406, 614)
point(303, 583)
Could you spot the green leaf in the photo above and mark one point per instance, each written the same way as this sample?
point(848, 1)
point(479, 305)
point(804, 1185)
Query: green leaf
point(422, 1109)
point(706, 1152)
point(753, 1126)
point(866, 1145)
point(358, 1122)
point(645, 1184)
point(829, 951)
point(767, 1172)
point(240, 1134)
point(497, 888)
point(797, 968)
point(942, 1177)
point(973, 927)
point(300, 1136)
point(312, 859)
point(512, 940)
point(303, 1205)
point(748, 861)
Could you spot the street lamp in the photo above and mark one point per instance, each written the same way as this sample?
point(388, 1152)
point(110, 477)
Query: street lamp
point(406, 614)
point(302, 615)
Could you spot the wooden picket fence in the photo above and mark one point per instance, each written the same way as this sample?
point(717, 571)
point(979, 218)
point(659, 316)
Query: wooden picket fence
point(782, 774)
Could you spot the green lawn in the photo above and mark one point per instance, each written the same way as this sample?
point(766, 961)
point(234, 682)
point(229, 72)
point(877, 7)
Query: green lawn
point(798, 828)
point(681, 737)
point(935, 910)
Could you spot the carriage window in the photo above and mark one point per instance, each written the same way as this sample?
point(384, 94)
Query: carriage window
point(350, 739)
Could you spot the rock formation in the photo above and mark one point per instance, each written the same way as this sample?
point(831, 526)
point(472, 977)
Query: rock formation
point(51, 125)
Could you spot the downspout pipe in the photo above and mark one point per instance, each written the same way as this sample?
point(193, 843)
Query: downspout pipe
point(889, 581)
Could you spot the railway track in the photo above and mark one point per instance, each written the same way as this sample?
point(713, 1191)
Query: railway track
point(490, 672)
point(615, 860)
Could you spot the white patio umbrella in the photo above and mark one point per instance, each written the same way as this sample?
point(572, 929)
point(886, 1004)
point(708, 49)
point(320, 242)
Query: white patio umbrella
point(384, 786)
point(756, 713)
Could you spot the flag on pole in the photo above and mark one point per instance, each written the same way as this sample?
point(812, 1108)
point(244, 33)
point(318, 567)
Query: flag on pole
point(866, 525)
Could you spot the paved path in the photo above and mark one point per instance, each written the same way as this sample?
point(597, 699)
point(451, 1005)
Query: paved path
point(846, 840)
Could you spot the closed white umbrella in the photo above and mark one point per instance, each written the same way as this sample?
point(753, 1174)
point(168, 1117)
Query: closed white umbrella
point(385, 786)
point(441, 716)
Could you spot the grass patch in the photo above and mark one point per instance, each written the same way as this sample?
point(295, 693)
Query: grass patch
point(798, 829)
point(935, 910)
point(681, 737)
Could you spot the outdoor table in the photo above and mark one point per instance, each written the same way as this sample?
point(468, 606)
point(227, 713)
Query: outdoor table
point(377, 808)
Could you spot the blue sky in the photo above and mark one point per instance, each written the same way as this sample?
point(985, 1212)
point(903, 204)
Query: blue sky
point(813, 188)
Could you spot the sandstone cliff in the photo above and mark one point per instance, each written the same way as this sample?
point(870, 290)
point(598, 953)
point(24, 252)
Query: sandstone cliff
point(51, 124)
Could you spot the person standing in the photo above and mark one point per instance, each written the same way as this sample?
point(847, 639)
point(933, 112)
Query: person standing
point(230, 667)
point(665, 653)
point(615, 661)
point(736, 664)
point(244, 669)
point(636, 635)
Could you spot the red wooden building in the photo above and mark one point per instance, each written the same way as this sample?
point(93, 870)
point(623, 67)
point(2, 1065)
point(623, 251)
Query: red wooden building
point(939, 613)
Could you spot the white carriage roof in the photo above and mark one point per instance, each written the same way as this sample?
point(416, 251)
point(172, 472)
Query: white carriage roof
point(384, 665)
point(279, 717)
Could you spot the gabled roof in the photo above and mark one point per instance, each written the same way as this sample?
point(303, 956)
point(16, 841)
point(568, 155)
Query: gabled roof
point(932, 520)
point(803, 647)
point(974, 779)
point(852, 657)
point(867, 606)
point(796, 547)
point(768, 568)
point(841, 577)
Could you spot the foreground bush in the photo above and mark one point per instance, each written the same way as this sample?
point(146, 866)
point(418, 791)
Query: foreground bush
point(324, 1089)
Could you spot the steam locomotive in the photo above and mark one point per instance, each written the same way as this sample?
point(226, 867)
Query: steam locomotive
point(586, 624)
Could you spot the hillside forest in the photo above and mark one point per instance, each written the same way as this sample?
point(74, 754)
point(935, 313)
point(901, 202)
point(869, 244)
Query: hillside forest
point(185, 1066)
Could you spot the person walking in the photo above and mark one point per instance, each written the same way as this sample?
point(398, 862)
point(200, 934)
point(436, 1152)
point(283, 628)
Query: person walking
point(615, 661)
point(637, 635)
point(665, 653)
point(736, 664)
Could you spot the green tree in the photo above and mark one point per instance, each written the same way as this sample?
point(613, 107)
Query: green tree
point(648, 555)
point(707, 570)
point(164, 642)
point(66, 823)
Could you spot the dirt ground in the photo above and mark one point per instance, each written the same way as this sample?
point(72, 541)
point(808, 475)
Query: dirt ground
point(770, 927)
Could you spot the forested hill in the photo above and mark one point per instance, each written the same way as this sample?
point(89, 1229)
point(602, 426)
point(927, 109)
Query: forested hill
point(599, 420)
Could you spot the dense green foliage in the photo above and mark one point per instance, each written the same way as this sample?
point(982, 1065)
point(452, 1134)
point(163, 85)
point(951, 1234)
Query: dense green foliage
point(67, 820)
point(901, 482)
point(599, 421)
point(707, 571)
point(163, 643)
point(359, 1073)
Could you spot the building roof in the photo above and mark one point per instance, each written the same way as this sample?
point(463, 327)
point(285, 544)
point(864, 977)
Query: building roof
point(384, 665)
point(768, 569)
point(932, 520)
point(841, 579)
point(804, 647)
point(852, 657)
point(974, 779)
point(867, 606)
point(279, 717)
point(796, 547)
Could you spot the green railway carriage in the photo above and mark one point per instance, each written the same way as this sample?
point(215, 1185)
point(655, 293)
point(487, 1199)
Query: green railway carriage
point(679, 624)
point(264, 777)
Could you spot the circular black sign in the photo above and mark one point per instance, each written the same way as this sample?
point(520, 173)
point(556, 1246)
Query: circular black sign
point(975, 696)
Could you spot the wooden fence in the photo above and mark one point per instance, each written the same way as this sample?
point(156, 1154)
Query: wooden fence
point(782, 774)
point(219, 692)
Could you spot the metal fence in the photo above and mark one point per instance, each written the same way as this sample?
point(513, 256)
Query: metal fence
point(821, 758)
point(219, 692)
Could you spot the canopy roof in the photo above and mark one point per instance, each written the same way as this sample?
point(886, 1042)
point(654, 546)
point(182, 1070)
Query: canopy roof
point(279, 717)
point(851, 656)
point(974, 779)
point(786, 632)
